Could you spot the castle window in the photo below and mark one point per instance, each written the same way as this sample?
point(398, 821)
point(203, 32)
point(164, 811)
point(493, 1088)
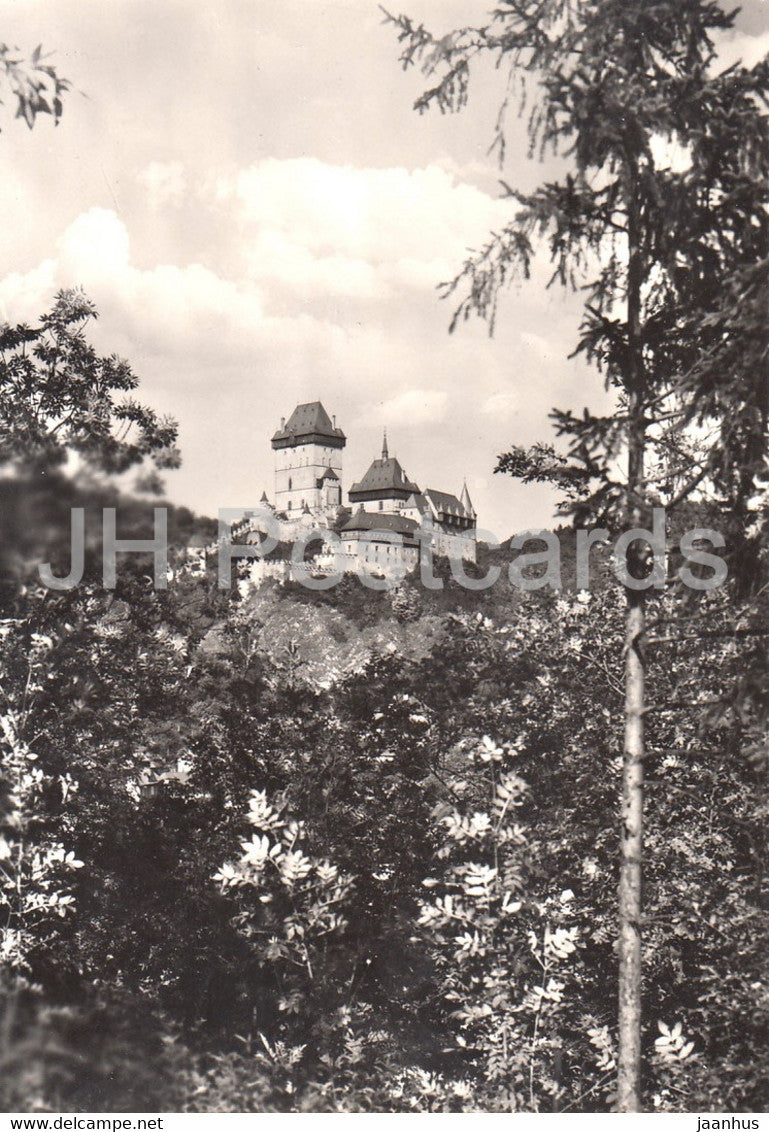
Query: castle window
point(381, 504)
point(289, 505)
point(290, 484)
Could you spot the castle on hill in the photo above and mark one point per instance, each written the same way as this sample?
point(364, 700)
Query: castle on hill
point(392, 518)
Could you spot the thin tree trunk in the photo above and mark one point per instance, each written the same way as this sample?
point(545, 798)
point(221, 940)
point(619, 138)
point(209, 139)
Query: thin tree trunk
point(631, 850)
point(631, 838)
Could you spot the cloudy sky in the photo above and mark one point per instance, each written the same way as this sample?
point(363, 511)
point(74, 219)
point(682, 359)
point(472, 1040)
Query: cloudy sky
point(243, 189)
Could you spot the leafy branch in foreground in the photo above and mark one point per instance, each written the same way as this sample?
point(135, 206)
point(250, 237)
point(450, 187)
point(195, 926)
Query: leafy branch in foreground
point(35, 84)
point(59, 397)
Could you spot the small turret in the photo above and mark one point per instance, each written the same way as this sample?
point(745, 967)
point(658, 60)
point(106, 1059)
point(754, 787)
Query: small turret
point(465, 500)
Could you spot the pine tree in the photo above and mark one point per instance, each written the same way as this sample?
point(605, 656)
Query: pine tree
point(673, 257)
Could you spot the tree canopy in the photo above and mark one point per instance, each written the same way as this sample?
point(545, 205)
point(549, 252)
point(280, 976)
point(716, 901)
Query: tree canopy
point(59, 397)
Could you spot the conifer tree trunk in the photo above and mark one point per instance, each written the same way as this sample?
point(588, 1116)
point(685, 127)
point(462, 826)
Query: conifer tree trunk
point(631, 849)
point(631, 837)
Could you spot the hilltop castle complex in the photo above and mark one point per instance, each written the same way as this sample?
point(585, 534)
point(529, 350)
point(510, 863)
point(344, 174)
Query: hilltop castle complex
point(390, 518)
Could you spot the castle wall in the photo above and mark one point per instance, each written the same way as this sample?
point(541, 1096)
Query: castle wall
point(459, 544)
point(388, 506)
point(381, 558)
point(297, 470)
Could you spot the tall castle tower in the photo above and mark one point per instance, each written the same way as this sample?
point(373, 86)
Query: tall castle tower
point(308, 462)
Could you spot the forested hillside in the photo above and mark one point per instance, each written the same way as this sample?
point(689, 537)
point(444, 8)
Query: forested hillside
point(274, 854)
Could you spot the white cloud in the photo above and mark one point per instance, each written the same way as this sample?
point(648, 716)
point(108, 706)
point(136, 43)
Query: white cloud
point(276, 258)
point(165, 182)
point(413, 407)
point(501, 405)
point(296, 232)
point(21, 295)
point(365, 233)
point(173, 309)
point(94, 247)
point(737, 47)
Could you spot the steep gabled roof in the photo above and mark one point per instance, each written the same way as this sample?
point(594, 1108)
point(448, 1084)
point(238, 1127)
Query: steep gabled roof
point(418, 502)
point(377, 521)
point(307, 422)
point(384, 475)
point(329, 474)
point(443, 502)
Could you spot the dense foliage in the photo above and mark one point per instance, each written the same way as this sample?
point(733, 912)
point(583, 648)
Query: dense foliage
point(228, 887)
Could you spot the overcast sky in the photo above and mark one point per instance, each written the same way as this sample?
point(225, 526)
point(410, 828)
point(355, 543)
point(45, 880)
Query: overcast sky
point(244, 190)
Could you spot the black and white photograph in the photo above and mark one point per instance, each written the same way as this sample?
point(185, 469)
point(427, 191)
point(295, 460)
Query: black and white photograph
point(384, 561)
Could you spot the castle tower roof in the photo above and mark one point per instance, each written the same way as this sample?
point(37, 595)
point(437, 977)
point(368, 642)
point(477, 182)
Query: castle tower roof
point(465, 500)
point(309, 424)
point(375, 521)
point(384, 478)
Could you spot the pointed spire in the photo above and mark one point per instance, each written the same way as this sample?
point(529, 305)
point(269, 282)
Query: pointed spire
point(385, 453)
point(465, 500)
